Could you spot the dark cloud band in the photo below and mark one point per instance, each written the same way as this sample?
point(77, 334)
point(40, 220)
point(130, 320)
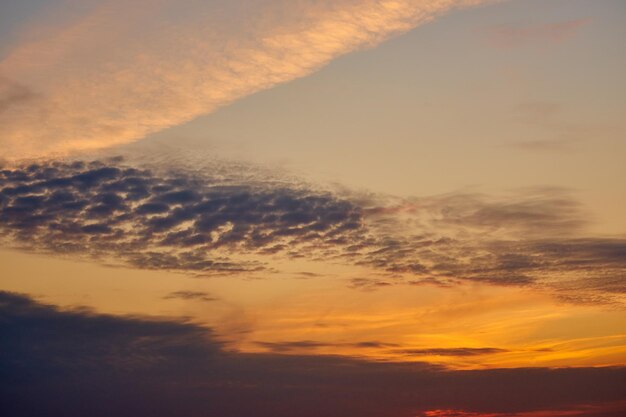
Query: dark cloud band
point(74, 363)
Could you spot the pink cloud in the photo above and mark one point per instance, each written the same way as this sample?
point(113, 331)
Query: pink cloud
point(505, 36)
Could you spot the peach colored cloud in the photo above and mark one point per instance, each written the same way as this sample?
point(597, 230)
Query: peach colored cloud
point(514, 36)
point(126, 69)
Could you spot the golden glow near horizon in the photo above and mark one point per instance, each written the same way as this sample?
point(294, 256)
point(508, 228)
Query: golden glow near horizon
point(473, 326)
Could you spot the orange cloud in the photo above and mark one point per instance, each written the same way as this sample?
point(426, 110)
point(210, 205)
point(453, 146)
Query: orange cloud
point(127, 69)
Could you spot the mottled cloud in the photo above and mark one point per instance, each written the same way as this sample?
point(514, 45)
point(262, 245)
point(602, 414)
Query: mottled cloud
point(70, 363)
point(509, 36)
point(212, 222)
point(174, 222)
point(120, 70)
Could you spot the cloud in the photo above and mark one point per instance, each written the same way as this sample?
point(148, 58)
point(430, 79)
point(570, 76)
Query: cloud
point(529, 212)
point(121, 70)
point(368, 284)
point(308, 345)
point(190, 295)
point(218, 222)
point(463, 351)
point(12, 94)
point(70, 363)
point(178, 222)
point(507, 36)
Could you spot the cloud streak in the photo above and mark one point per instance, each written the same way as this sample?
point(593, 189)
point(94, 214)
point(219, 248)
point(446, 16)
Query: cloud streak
point(190, 295)
point(123, 70)
point(454, 351)
point(516, 36)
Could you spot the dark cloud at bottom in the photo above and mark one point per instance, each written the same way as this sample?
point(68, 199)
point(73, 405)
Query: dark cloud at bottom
point(77, 363)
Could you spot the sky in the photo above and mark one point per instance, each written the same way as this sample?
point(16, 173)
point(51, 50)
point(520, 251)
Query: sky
point(385, 208)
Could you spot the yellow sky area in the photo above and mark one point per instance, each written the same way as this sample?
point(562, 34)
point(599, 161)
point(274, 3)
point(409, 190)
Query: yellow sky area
point(292, 314)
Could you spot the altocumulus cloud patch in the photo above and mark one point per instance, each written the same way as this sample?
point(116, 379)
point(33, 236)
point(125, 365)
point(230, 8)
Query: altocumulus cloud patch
point(205, 222)
point(178, 222)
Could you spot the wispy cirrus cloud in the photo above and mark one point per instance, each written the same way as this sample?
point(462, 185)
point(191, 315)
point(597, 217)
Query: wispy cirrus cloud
point(204, 222)
point(122, 69)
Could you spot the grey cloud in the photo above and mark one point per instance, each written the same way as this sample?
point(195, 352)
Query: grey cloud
point(534, 237)
point(204, 222)
point(528, 212)
point(175, 222)
point(290, 346)
point(368, 284)
point(190, 295)
point(462, 351)
point(442, 283)
point(307, 345)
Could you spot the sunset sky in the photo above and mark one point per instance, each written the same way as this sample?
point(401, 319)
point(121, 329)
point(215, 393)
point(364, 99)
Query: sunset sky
point(306, 208)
